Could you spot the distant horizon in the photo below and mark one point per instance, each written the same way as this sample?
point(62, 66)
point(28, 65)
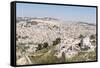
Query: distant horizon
point(64, 20)
point(65, 13)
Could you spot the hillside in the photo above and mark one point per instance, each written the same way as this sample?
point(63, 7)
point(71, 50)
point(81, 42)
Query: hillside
point(50, 40)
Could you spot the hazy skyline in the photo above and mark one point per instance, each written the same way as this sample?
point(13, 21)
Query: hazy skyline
point(67, 13)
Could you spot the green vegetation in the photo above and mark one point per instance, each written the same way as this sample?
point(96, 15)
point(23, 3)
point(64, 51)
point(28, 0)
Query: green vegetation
point(93, 39)
point(42, 45)
point(46, 56)
point(43, 56)
point(39, 47)
point(81, 36)
point(55, 26)
point(45, 45)
point(83, 56)
point(92, 36)
point(57, 41)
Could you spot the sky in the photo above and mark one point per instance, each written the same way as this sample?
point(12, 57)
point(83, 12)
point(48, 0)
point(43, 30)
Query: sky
point(66, 13)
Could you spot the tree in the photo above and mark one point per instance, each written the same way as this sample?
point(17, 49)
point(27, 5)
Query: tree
point(92, 37)
point(45, 45)
point(39, 47)
point(57, 41)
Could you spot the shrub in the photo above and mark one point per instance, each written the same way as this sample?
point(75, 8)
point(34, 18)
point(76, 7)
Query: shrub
point(55, 26)
point(39, 47)
point(25, 37)
point(81, 36)
point(45, 45)
point(57, 41)
point(83, 56)
point(92, 37)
